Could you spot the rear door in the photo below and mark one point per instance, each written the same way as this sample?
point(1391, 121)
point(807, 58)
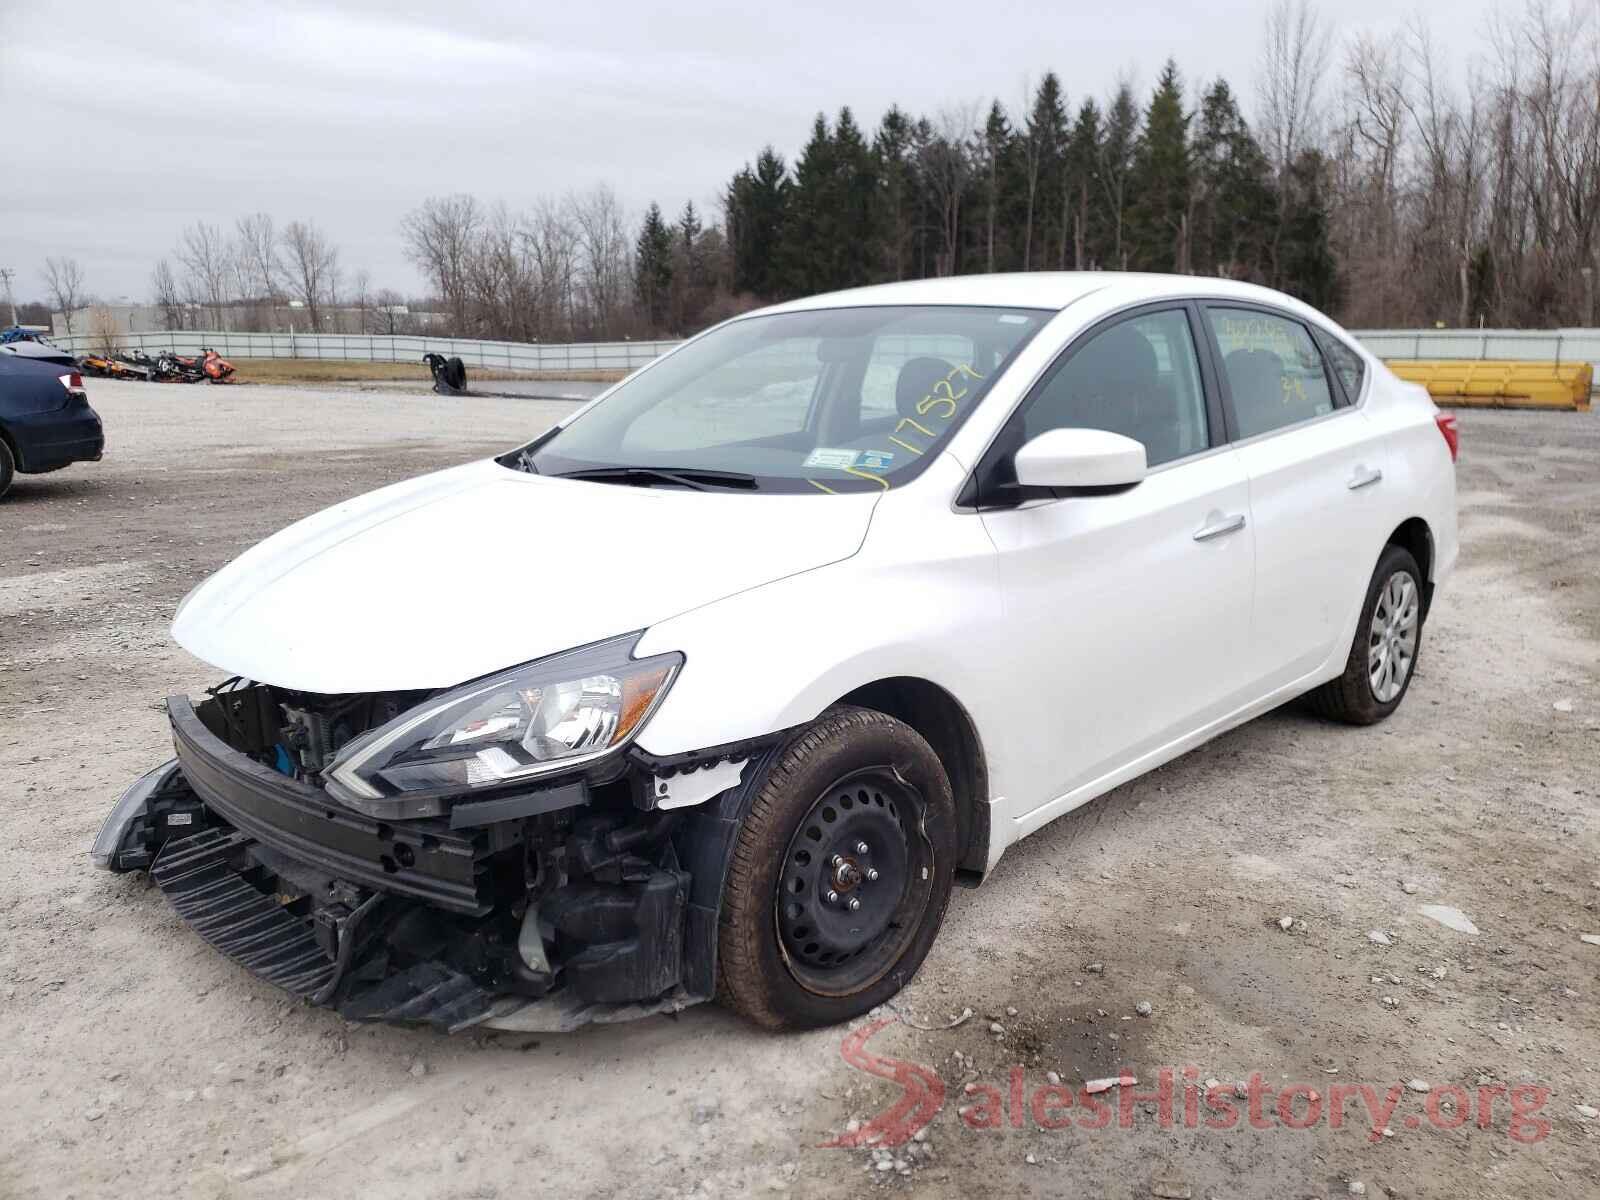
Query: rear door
point(1315, 465)
point(1128, 613)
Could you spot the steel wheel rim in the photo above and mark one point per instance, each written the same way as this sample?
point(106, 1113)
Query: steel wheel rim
point(830, 948)
point(1392, 636)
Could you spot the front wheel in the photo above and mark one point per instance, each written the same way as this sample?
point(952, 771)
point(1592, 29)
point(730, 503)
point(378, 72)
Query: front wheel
point(840, 875)
point(1383, 656)
point(8, 468)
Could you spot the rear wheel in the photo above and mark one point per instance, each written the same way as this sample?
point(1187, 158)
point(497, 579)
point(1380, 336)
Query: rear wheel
point(1383, 656)
point(8, 468)
point(840, 875)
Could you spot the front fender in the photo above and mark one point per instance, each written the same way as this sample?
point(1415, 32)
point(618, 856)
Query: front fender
point(920, 599)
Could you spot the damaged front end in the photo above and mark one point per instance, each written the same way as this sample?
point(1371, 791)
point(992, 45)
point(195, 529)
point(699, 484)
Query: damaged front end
point(537, 896)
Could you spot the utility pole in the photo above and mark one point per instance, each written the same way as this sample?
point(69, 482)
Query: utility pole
point(6, 273)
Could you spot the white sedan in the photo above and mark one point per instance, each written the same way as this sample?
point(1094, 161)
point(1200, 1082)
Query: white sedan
point(716, 688)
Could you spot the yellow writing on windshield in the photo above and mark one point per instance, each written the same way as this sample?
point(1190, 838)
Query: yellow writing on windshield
point(936, 410)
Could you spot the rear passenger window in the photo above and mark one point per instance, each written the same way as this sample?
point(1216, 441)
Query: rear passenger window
point(1275, 371)
point(1346, 363)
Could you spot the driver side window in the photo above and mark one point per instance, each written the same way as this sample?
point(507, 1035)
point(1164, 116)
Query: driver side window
point(1139, 378)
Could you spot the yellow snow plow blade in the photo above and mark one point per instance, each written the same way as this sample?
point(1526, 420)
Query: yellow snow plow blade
point(1501, 383)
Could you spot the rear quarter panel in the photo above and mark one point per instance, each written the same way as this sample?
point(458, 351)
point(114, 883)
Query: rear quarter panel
point(1420, 469)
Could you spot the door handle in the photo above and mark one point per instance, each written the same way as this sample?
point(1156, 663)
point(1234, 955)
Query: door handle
point(1219, 527)
point(1364, 478)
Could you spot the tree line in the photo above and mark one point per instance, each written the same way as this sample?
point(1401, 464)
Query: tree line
point(1367, 187)
point(1152, 186)
point(1362, 181)
point(568, 269)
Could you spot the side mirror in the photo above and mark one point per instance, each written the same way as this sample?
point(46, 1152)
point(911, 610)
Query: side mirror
point(1080, 458)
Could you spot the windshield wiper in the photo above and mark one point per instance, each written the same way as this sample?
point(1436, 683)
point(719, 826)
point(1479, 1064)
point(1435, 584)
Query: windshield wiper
point(521, 459)
point(697, 478)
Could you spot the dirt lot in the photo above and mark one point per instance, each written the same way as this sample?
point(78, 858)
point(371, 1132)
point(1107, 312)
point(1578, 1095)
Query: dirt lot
point(136, 1062)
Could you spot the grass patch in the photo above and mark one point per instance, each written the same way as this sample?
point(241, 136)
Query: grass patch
point(333, 370)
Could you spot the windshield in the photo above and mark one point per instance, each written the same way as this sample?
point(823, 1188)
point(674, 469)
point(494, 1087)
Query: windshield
point(830, 400)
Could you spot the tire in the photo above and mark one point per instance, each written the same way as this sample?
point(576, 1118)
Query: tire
point(8, 468)
point(1354, 697)
point(852, 778)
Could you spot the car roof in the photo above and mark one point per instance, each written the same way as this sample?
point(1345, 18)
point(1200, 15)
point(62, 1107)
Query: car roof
point(1051, 290)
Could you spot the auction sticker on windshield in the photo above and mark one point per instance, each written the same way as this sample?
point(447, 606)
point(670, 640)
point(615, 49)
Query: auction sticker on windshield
point(830, 458)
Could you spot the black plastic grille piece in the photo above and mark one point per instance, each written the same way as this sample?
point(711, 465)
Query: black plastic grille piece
point(244, 923)
point(426, 994)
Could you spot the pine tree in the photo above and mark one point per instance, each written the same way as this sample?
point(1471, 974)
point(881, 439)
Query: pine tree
point(895, 195)
point(757, 205)
point(1306, 261)
point(1045, 143)
point(690, 276)
point(653, 267)
point(1159, 215)
point(996, 145)
point(1080, 187)
point(851, 203)
point(689, 228)
point(1235, 205)
point(806, 262)
point(1116, 163)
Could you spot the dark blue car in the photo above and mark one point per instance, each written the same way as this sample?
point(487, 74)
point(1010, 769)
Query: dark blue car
point(45, 419)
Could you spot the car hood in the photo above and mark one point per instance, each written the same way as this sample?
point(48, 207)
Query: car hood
point(441, 579)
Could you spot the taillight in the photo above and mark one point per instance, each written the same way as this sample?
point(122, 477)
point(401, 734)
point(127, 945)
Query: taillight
point(1447, 426)
point(72, 382)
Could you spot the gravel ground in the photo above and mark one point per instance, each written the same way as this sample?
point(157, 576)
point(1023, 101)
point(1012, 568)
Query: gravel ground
point(139, 1063)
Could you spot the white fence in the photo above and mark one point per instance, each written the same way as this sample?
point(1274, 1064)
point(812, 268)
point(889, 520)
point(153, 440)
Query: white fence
point(511, 356)
point(1552, 345)
point(1560, 345)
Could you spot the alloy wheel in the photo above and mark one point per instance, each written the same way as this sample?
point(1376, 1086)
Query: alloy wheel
point(1392, 637)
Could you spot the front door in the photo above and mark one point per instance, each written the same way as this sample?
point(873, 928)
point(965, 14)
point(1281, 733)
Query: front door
point(1129, 612)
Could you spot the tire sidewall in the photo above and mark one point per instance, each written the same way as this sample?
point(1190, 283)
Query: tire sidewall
point(800, 785)
point(8, 468)
point(1394, 559)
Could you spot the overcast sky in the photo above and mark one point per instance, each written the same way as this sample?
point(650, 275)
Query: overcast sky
point(129, 120)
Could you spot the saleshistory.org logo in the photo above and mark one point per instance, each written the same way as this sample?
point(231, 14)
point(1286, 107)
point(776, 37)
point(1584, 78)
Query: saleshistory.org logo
point(1179, 1098)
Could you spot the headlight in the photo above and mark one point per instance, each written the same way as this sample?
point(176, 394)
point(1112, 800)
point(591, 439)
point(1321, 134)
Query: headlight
point(548, 716)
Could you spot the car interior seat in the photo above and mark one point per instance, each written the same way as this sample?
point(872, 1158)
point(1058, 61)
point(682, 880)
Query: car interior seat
point(1255, 378)
point(1113, 383)
point(915, 383)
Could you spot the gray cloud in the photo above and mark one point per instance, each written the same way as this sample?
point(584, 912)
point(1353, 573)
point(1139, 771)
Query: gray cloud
point(143, 117)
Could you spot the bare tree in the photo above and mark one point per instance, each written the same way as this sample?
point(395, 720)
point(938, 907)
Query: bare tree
point(1449, 185)
point(311, 266)
point(605, 254)
point(1294, 56)
point(390, 314)
point(361, 298)
point(438, 239)
point(1293, 59)
point(552, 245)
point(104, 330)
point(256, 262)
point(1372, 144)
point(203, 251)
point(164, 286)
point(64, 278)
point(947, 165)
